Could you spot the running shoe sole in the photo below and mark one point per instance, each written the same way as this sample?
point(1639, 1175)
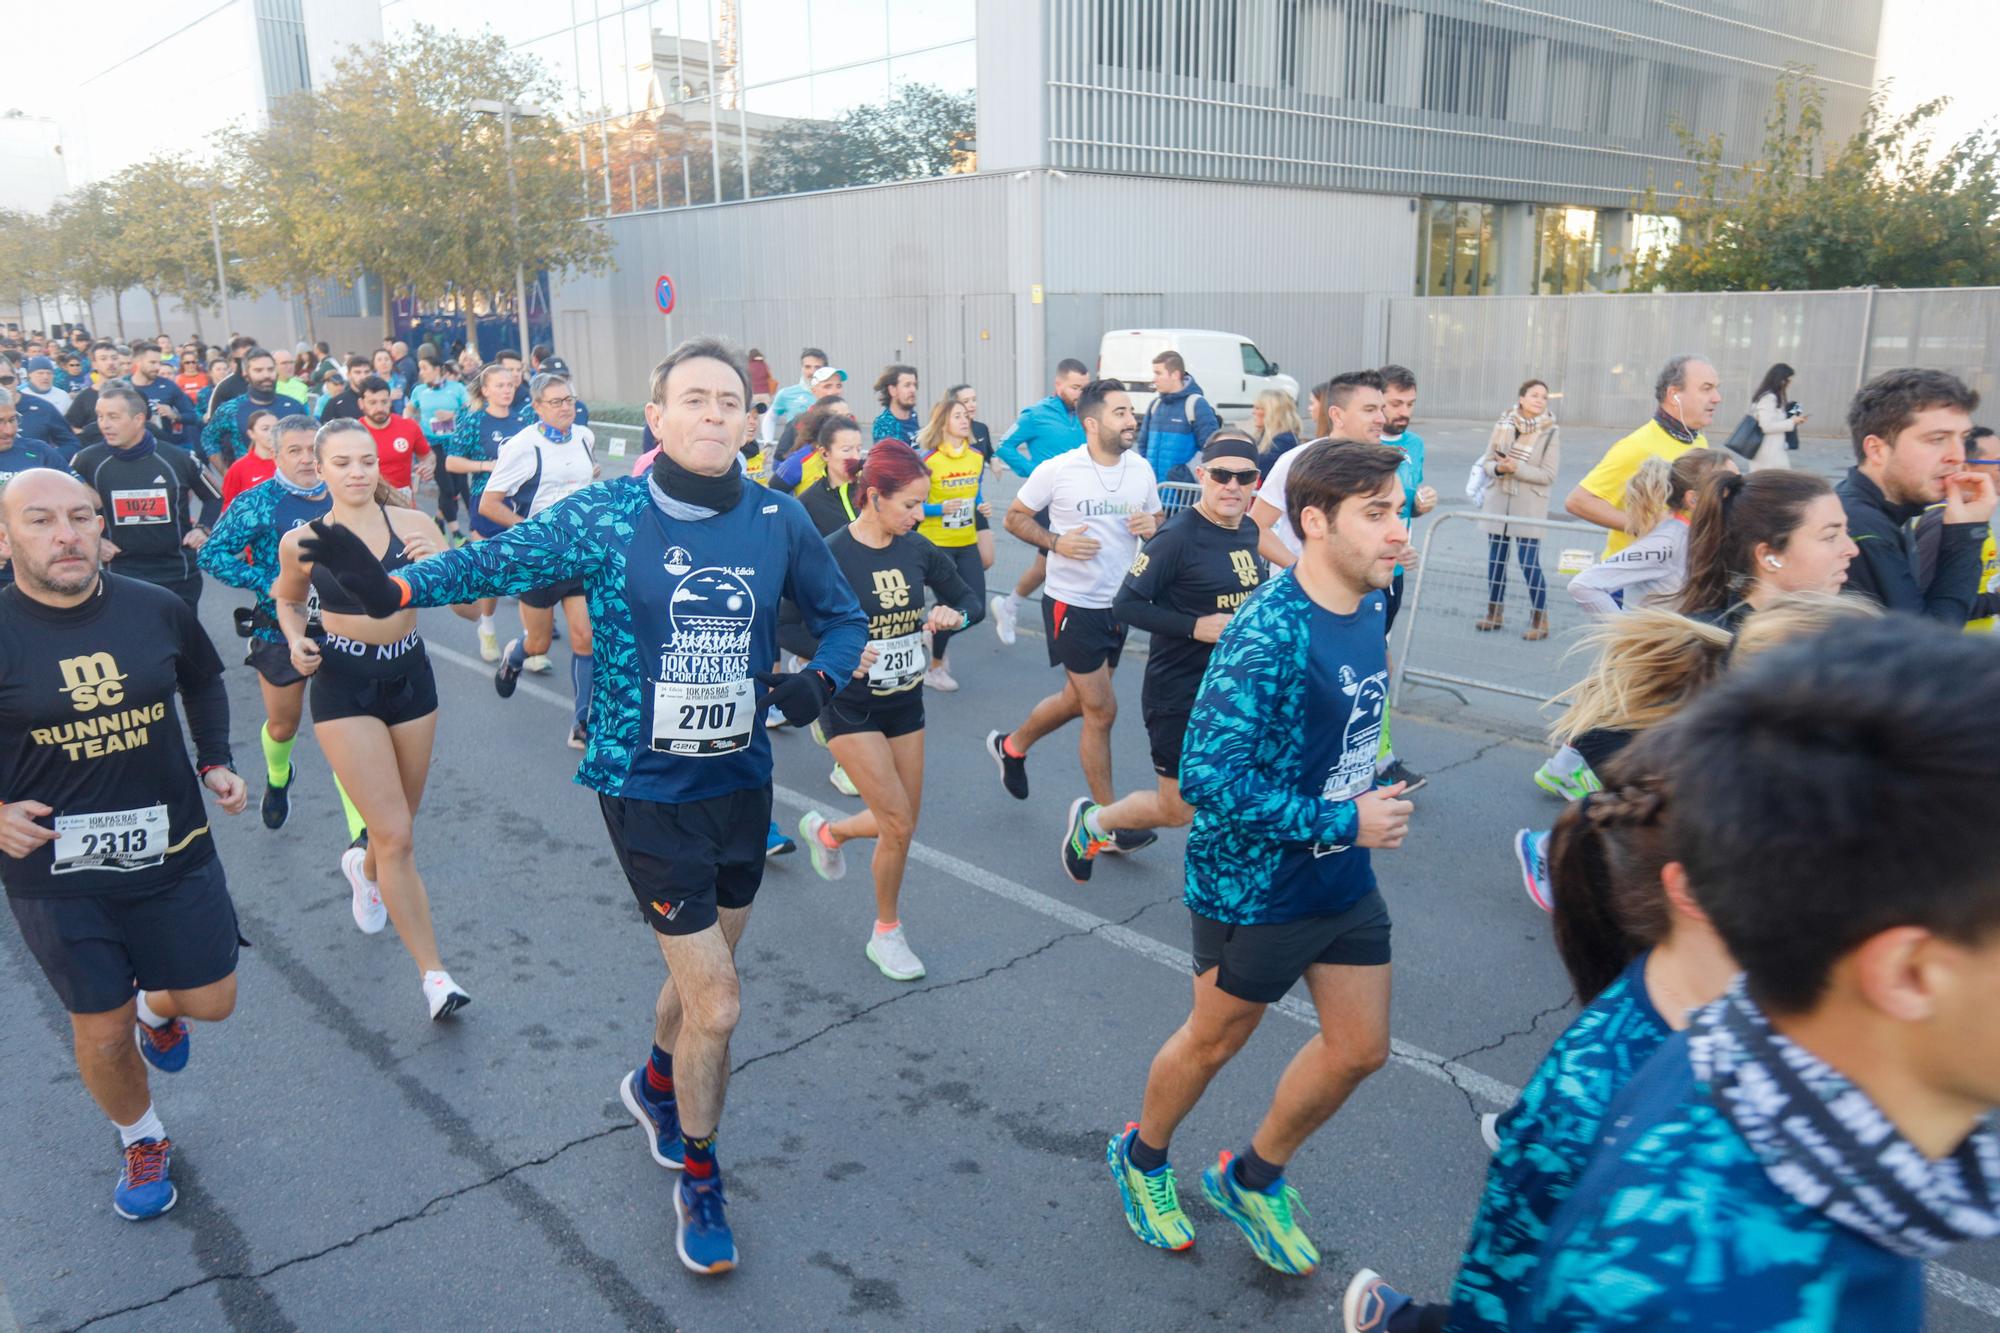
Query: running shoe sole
point(1141, 840)
point(628, 1092)
point(1489, 1130)
point(829, 863)
point(996, 749)
point(1524, 855)
point(173, 1197)
point(1133, 1212)
point(454, 1002)
point(680, 1226)
point(1351, 1311)
point(505, 679)
point(917, 975)
point(1548, 783)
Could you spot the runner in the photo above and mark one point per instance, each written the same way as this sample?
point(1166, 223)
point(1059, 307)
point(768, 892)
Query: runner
point(1182, 590)
point(434, 405)
point(952, 511)
point(1834, 1103)
point(831, 504)
point(896, 390)
point(542, 465)
point(1685, 395)
point(1101, 500)
point(682, 570)
point(257, 465)
point(109, 865)
point(1279, 764)
point(374, 702)
point(226, 436)
point(1044, 430)
point(875, 725)
point(243, 553)
point(487, 421)
point(399, 444)
point(18, 455)
point(148, 494)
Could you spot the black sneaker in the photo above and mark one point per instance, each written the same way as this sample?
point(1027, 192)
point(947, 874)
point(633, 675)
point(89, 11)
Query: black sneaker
point(1125, 840)
point(277, 804)
point(1013, 772)
point(507, 676)
point(1396, 772)
point(1080, 849)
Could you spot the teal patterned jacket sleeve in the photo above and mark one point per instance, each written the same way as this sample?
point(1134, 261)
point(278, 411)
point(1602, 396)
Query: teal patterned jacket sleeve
point(247, 524)
point(565, 541)
point(220, 427)
point(464, 443)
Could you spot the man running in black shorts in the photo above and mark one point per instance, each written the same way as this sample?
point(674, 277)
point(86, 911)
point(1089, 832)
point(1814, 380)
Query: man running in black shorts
point(108, 862)
point(1101, 501)
point(1182, 590)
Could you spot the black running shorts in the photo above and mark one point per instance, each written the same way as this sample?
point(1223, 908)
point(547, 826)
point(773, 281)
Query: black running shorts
point(893, 716)
point(685, 861)
point(389, 682)
point(1166, 730)
point(1081, 638)
point(273, 661)
point(173, 934)
point(547, 599)
point(1261, 962)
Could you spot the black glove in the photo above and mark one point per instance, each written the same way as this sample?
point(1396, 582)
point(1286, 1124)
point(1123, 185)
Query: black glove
point(799, 695)
point(353, 566)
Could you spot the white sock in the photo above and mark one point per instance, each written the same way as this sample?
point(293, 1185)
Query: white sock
point(1014, 601)
point(1090, 824)
point(437, 978)
point(147, 1126)
point(1565, 762)
point(147, 1016)
point(486, 624)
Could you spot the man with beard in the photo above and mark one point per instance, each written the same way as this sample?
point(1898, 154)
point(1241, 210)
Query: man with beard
point(225, 438)
point(399, 441)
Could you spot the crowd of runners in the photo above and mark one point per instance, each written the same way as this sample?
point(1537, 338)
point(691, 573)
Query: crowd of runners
point(1773, 1104)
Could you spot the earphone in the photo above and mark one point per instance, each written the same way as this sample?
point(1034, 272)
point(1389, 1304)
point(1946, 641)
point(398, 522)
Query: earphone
point(1774, 562)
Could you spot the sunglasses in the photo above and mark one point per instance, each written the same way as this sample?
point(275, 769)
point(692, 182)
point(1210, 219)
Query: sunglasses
point(1224, 476)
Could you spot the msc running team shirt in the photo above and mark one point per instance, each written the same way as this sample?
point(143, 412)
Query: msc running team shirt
point(1192, 568)
point(1079, 492)
point(890, 584)
point(88, 727)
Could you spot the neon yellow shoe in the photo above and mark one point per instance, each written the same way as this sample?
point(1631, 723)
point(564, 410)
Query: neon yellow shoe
point(1152, 1204)
point(1265, 1218)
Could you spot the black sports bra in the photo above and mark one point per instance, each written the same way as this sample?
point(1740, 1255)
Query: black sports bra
point(333, 598)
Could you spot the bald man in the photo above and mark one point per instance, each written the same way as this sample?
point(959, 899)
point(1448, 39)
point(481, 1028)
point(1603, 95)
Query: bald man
point(120, 896)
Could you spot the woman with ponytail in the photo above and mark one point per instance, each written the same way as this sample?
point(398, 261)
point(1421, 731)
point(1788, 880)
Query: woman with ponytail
point(1651, 571)
point(1642, 956)
point(1755, 538)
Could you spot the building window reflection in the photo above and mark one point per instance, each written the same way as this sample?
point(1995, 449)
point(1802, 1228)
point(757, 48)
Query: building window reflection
point(1456, 254)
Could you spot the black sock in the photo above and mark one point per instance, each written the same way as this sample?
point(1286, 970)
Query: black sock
point(1254, 1173)
point(1144, 1156)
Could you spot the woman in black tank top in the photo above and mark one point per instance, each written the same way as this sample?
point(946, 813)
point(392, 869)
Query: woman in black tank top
point(374, 702)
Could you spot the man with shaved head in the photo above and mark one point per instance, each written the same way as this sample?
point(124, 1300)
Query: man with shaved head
point(105, 850)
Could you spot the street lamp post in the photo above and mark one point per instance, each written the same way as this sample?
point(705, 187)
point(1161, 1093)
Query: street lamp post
point(507, 111)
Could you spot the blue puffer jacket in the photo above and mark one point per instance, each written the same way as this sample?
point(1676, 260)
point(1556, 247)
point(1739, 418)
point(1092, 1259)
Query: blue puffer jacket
point(1176, 427)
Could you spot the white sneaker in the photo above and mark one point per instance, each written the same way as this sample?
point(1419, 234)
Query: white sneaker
point(842, 783)
point(489, 646)
point(369, 913)
point(1002, 609)
point(819, 737)
point(940, 679)
point(539, 664)
point(1489, 1130)
point(890, 952)
point(446, 996)
point(828, 862)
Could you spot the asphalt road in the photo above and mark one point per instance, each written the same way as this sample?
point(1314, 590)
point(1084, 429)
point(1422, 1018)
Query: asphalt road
point(920, 1155)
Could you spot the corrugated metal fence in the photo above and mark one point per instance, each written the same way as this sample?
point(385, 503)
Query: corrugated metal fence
point(1601, 353)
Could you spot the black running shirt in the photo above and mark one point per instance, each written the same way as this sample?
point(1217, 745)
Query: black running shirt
point(1191, 568)
point(890, 584)
point(88, 727)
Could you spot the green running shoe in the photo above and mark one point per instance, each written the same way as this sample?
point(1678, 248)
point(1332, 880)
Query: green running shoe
point(1574, 787)
point(1265, 1218)
point(1152, 1204)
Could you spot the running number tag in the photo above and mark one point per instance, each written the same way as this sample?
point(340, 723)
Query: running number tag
point(1575, 561)
point(899, 663)
point(112, 840)
point(703, 720)
point(958, 513)
point(148, 505)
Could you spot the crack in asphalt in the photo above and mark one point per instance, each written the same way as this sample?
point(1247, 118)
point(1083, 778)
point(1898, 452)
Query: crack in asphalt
point(1474, 757)
point(1448, 1064)
point(497, 1177)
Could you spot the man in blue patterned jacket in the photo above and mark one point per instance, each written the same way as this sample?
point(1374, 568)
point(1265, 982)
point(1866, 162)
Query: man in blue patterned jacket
point(682, 570)
point(1279, 880)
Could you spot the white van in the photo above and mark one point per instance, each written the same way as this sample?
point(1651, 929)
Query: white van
point(1228, 367)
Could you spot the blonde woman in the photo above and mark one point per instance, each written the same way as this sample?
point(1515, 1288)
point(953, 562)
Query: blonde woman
point(1274, 420)
point(1520, 464)
point(1657, 502)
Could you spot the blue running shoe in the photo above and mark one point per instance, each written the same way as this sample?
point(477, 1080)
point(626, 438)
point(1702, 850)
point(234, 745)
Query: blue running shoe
point(662, 1122)
point(776, 843)
point(1531, 853)
point(701, 1230)
point(165, 1048)
point(144, 1189)
point(1267, 1218)
point(1372, 1305)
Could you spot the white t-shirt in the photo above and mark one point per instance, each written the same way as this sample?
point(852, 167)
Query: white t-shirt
point(1272, 493)
point(1078, 492)
point(566, 468)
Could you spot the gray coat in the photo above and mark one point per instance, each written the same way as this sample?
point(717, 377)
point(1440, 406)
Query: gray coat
point(1523, 493)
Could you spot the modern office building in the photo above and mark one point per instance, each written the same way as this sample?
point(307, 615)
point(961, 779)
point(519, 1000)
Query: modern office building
point(981, 187)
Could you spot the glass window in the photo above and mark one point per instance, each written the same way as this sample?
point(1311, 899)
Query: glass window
point(775, 41)
point(1254, 362)
point(916, 24)
point(835, 94)
point(953, 69)
point(1465, 271)
point(1442, 218)
point(847, 31)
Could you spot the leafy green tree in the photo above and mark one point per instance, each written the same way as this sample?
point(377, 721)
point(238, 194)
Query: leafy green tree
point(87, 244)
point(922, 131)
point(162, 236)
point(1888, 207)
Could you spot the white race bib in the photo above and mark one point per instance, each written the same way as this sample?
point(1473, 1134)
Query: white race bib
point(146, 505)
point(111, 840)
point(958, 513)
point(898, 663)
point(703, 720)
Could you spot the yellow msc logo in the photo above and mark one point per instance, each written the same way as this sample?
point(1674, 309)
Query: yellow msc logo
point(1245, 565)
point(92, 682)
point(892, 588)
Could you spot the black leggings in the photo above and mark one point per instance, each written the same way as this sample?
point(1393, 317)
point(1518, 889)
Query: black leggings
point(1529, 551)
point(974, 574)
point(453, 487)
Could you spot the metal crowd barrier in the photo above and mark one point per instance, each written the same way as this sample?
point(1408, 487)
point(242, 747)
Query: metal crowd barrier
point(1448, 592)
point(1176, 496)
point(620, 442)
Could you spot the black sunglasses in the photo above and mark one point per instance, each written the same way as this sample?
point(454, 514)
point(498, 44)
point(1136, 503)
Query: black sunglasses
point(1226, 475)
